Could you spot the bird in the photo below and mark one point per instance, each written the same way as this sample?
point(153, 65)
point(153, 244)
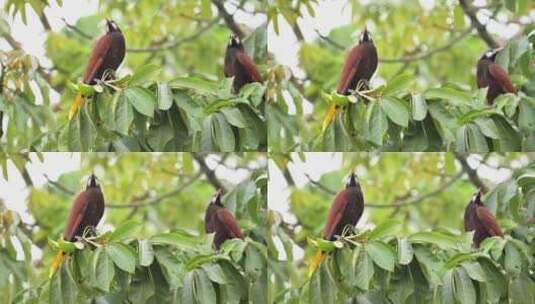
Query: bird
point(220, 221)
point(238, 64)
point(359, 66)
point(491, 75)
point(346, 210)
point(86, 212)
point(479, 219)
point(107, 55)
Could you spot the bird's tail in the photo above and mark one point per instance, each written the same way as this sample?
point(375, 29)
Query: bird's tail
point(56, 263)
point(76, 104)
point(315, 262)
point(329, 117)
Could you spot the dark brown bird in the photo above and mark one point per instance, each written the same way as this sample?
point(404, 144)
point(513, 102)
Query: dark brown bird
point(345, 211)
point(107, 55)
point(491, 75)
point(86, 212)
point(360, 65)
point(239, 65)
point(479, 218)
point(220, 221)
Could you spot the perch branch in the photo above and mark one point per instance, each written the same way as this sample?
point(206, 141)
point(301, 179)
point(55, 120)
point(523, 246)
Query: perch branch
point(470, 11)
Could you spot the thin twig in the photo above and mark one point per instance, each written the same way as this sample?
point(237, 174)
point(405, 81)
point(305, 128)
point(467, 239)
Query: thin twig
point(77, 30)
point(228, 18)
point(472, 173)
point(209, 173)
point(174, 44)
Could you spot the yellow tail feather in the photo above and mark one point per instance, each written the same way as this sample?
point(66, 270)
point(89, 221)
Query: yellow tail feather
point(315, 262)
point(56, 263)
point(329, 117)
point(76, 104)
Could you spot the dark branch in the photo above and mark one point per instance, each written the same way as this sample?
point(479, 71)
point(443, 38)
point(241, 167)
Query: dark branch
point(177, 43)
point(472, 173)
point(470, 11)
point(228, 18)
point(76, 30)
point(209, 173)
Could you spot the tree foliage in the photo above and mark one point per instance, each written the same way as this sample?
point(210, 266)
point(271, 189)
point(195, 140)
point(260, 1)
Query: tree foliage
point(408, 247)
point(152, 248)
point(170, 94)
point(423, 96)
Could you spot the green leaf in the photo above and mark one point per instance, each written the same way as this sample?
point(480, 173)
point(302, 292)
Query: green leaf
point(448, 288)
point(465, 291)
point(144, 74)
point(455, 96)
point(364, 269)
point(146, 253)
point(513, 259)
point(234, 117)
point(418, 107)
point(215, 273)
point(124, 230)
point(165, 100)
point(223, 134)
point(201, 86)
point(172, 268)
point(405, 252)
point(123, 113)
point(178, 239)
point(442, 240)
point(205, 292)
point(142, 100)
point(385, 229)
point(62, 286)
point(122, 255)
point(475, 271)
point(395, 110)
point(382, 255)
point(377, 122)
point(522, 290)
point(103, 270)
point(398, 84)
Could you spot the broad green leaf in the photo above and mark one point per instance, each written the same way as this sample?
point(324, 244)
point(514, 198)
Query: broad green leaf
point(395, 110)
point(122, 255)
point(382, 255)
point(142, 100)
point(464, 288)
point(398, 83)
point(124, 230)
point(199, 85)
point(103, 270)
point(178, 239)
point(165, 100)
point(144, 74)
point(364, 269)
point(146, 253)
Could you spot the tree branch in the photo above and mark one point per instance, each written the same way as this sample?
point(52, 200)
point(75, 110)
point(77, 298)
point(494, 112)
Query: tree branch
point(406, 59)
point(470, 11)
point(472, 173)
point(76, 30)
point(228, 18)
point(401, 201)
point(174, 44)
point(209, 173)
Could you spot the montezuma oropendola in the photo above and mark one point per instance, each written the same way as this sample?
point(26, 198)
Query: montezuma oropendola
point(479, 218)
point(107, 54)
point(360, 65)
point(219, 220)
point(239, 65)
point(86, 212)
point(490, 74)
point(346, 210)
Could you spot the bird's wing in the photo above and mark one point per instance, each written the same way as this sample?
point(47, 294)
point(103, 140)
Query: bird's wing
point(489, 221)
point(336, 212)
point(226, 219)
point(350, 69)
point(250, 67)
point(78, 212)
point(96, 58)
point(501, 77)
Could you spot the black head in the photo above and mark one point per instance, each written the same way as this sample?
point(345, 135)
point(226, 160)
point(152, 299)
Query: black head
point(352, 180)
point(112, 26)
point(216, 199)
point(477, 198)
point(235, 42)
point(92, 182)
point(365, 36)
point(490, 54)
